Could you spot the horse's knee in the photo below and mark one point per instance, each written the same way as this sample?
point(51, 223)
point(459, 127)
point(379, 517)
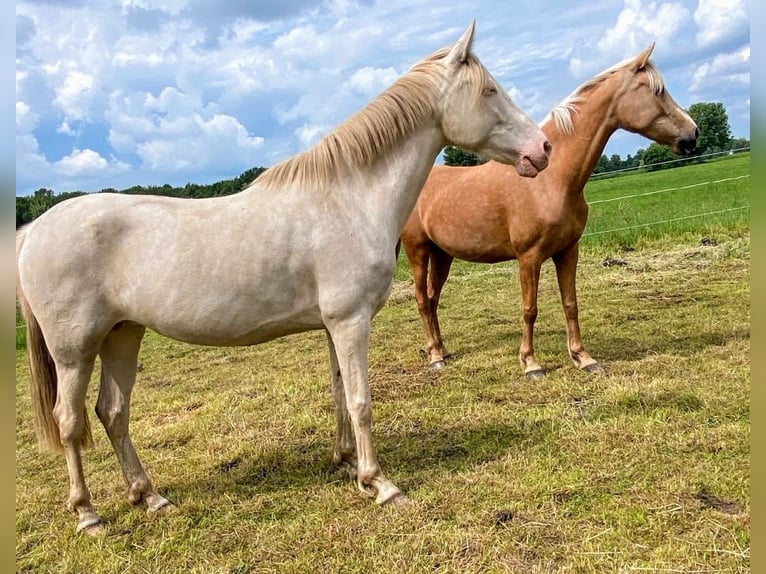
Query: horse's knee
point(570, 310)
point(530, 313)
point(423, 306)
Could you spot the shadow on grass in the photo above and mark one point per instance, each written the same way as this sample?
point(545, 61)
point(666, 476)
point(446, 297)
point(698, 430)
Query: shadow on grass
point(605, 346)
point(414, 457)
point(630, 349)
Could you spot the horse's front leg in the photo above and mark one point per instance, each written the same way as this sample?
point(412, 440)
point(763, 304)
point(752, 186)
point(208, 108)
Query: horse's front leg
point(529, 276)
point(566, 273)
point(350, 338)
point(344, 454)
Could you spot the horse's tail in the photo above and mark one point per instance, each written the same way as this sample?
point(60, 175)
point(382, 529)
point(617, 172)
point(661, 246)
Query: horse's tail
point(43, 382)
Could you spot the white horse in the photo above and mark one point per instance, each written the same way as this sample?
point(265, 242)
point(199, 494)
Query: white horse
point(309, 245)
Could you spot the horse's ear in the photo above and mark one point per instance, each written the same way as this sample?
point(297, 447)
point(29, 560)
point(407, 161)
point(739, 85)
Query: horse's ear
point(643, 57)
point(462, 48)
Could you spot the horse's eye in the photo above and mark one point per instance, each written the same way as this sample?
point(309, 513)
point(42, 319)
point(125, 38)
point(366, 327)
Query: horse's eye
point(489, 91)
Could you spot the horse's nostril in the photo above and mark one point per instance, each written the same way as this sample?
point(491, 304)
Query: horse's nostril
point(547, 147)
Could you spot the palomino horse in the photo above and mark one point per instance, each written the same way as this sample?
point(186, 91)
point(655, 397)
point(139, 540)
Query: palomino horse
point(487, 214)
point(308, 245)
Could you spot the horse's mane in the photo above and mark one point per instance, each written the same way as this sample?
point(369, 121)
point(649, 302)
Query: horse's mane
point(562, 113)
point(360, 140)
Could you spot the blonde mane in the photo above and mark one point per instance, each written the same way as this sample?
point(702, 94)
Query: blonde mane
point(561, 115)
point(360, 140)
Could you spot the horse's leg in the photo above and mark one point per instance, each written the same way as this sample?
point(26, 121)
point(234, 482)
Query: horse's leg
point(345, 447)
point(418, 255)
point(351, 340)
point(69, 412)
point(566, 272)
point(529, 276)
point(119, 358)
point(441, 261)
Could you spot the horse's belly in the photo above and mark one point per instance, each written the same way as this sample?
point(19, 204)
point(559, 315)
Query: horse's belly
point(241, 331)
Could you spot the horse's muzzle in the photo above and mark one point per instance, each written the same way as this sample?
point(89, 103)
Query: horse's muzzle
point(687, 144)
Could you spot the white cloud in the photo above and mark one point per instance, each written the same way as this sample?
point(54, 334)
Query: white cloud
point(26, 119)
point(191, 143)
point(719, 20)
point(74, 95)
point(369, 82)
point(301, 43)
point(172, 7)
point(638, 24)
point(309, 134)
point(21, 75)
point(66, 129)
point(723, 69)
point(173, 102)
point(79, 162)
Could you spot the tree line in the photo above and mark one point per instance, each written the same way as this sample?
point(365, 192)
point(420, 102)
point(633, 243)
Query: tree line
point(711, 118)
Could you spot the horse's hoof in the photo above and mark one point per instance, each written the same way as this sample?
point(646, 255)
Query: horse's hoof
point(594, 369)
point(400, 500)
point(159, 503)
point(535, 374)
point(438, 365)
point(386, 493)
point(91, 525)
point(392, 496)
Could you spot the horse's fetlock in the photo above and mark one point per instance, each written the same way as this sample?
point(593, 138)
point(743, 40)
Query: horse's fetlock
point(138, 489)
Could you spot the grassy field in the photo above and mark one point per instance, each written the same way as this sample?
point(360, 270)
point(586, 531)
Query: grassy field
point(645, 469)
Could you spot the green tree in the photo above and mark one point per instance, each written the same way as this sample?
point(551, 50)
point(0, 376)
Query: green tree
point(454, 155)
point(657, 154)
point(22, 210)
point(40, 201)
point(739, 143)
point(713, 123)
point(602, 165)
point(615, 162)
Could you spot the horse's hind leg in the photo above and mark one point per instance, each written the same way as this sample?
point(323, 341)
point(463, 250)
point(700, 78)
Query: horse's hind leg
point(69, 412)
point(566, 274)
point(119, 359)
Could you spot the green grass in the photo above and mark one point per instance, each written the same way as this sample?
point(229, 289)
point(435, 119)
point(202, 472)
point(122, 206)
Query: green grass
point(644, 469)
point(668, 196)
point(21, 331)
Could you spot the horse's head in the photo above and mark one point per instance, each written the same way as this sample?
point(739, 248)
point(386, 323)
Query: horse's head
point(647, 108)
point(477, 114)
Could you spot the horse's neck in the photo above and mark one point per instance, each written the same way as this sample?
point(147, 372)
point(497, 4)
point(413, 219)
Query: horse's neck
point(395, 181)
point(579, 152)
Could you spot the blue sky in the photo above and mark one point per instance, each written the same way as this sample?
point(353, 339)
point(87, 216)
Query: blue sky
point(115, 93)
